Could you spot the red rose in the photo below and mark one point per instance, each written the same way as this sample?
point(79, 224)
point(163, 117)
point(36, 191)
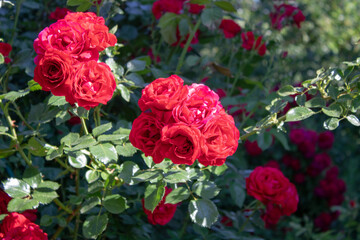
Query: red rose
point(93, 84)
point(320, 162)
point(59, 13)
point(162, 6)
point(267, 185)
point(307, 148)
point(297, 136)
point(326, 140)
point(5, 50)
point(54, 72)
point(271, 216)
point(201, 105)
point(323, 221)
point(145, 133)
point(252, 148)
point(273, 164)
point(163, 94)
point(98, 33)
point(163, 213)
point(249, 40)
point(290, 200)
point(16, 226)
point(220, 140)
point(283, 12)
point(179, 142)
point(230, 28)
point(195, 8)
point(68, 37)
point(299, 18)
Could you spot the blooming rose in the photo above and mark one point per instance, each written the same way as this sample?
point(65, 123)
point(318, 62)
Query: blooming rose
point(5, 50)
point(54, 72)
point(230, 28)
point(249, 40)
point(68, 37)
point(16, 226)
point(297, 136)
point(220, 140)
point(195, 8)
point(283, 12)
point(162, 6)
point(59, 13)
point(252, 148)
point(163, 94)
point(98, 33)
point(267, 185)
point(145, 133)
point(93, 84)
point(201, 105)
point(163, 213)
point(179, 142)
point(271, 216)
point(326, 140)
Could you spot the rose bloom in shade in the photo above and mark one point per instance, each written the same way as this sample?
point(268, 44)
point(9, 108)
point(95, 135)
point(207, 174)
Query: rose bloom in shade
point(5, 50)
point(162, 6)
point(252, 148)
point(54, 72)
point(16, 226)
point(271, 216)
point(267, 185)
point(163, 213)
point(59, 13)
point(220, 140)
point(163, 94)
point(326, 140)
point(195, 8)
point(68, 37)
point(98, 33)
point(250, 44)
point(180, 143)
point(93, 84)
point(201, 105)
point(146, 133)
point(230, 28)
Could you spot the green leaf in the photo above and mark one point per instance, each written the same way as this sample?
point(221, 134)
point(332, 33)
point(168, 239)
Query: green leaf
point(225, 6)
point(334, 110)
point(95, 187)
point(176, 176)
point(168, 24)
point(218, 170)
point(200, 1)
point(112, 137)
point(34, 86)
point(353, 120)
point(19, 204)
point(331, 123)
point(145, 175)
point(148, 160)
point(287, 90)
point(32, 176)
point(44, 195)
point(14, 95)
point(124, 91)
point(73, 3)
point(2, 59)
point(80, 112)
point(54, 153)
point(136, 79)
point(316, 102)
point(135, 65)
point(77, 159)
point(70, 139)
point(46, 220)
point(184, 28)
point(281, 137)
point(94, 226)
point(127, 150)
point(16, 188)
point(101, 129)
point(84, 142)
point(203, 212)
point(177, 195)
point(2, 216)
point(211, 15)
point(300, 99)
point(298, 113)
point(36, 148)
point(237, 194)
point(49, 184)
point(153, 195)
point(127, 171)
point(104, 152)
point(91, 176)
point(89, 204)
point(264, 140)
point(115, 203)
point(57, 101)
point(205, 189)
point(40, 113)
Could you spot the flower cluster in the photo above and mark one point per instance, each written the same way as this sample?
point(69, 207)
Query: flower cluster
point(18, 226)
point(249, 43)
point(275, 191)
point(66, 64)
point(185, 123)
point(5, 50)
point(161, 7)
point(163, 213)
point(284, 12)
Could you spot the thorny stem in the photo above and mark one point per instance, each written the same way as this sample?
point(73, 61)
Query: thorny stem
point(184, 51)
